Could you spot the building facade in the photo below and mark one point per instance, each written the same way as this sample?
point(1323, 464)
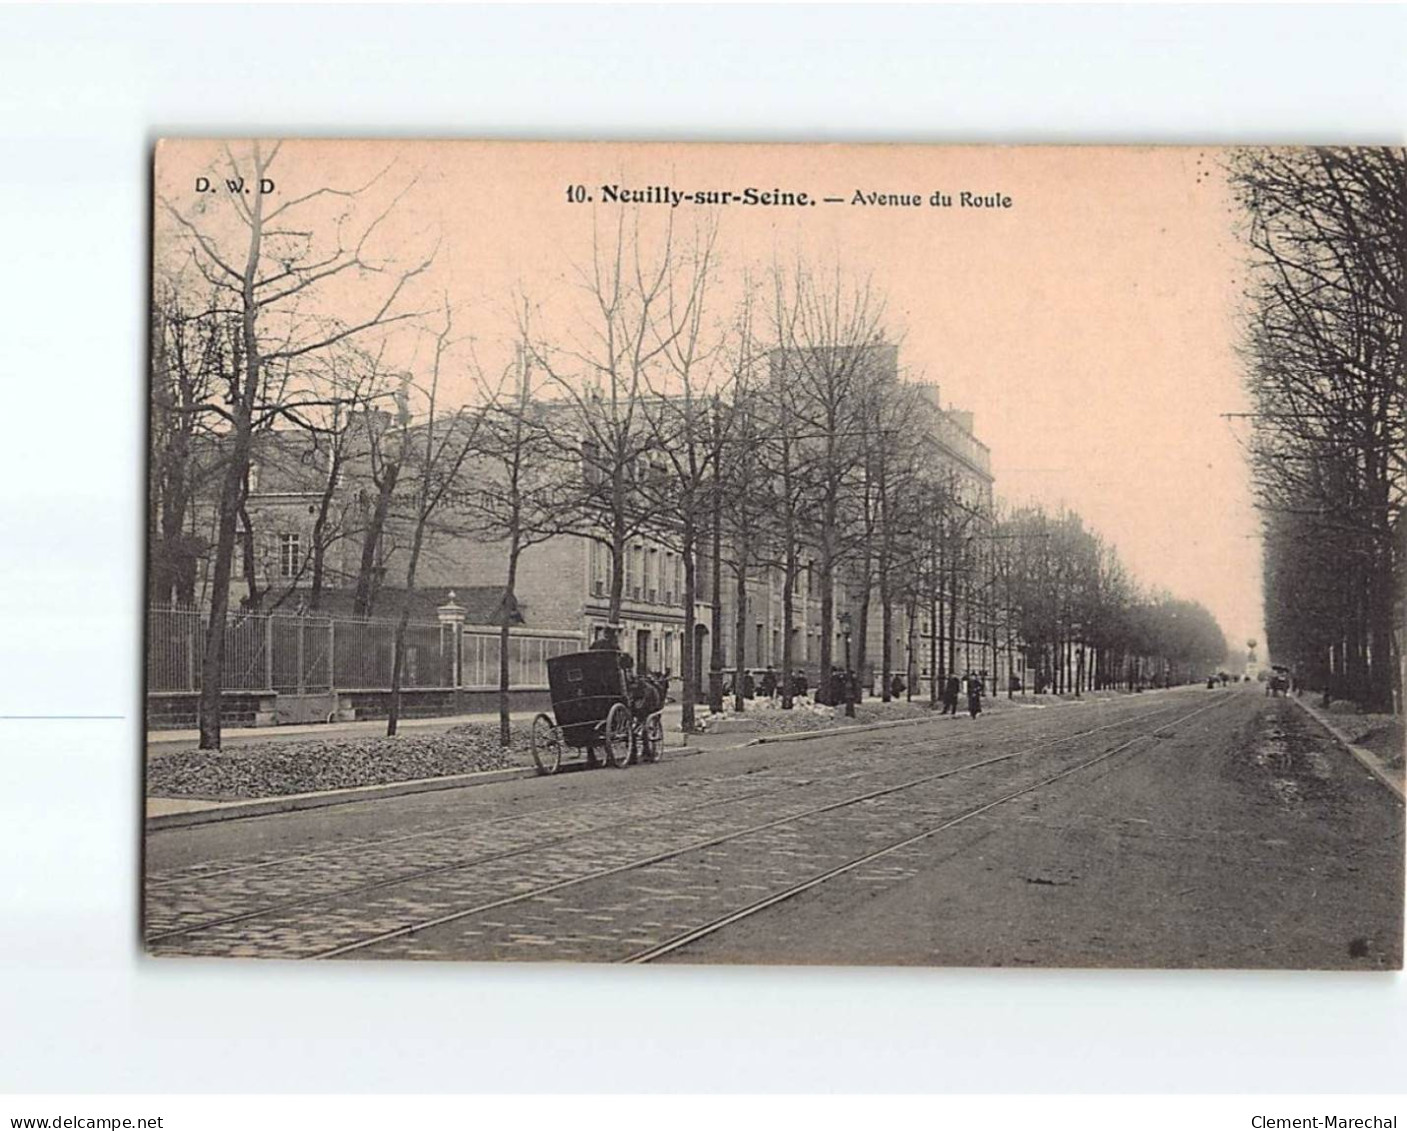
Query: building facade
point(563, 583)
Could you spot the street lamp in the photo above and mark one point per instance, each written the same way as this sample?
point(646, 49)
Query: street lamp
point(844, 619)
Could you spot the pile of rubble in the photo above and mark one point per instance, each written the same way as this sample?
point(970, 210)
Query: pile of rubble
point(275, 768)
point(765, 716)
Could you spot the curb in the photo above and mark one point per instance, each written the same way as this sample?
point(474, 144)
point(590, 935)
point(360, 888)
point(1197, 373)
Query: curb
point(830, 732)
point(858, 728)
point(1370, 761)
point(861, 728)
point(294, 802)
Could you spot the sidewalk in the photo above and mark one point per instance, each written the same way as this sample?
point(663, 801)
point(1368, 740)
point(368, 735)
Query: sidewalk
point(230, 736)
point(158, 741)
point(161, 741)
point(1370, 761)
point(167, 812)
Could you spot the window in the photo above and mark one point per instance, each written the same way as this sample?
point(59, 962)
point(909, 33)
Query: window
point(290, 554)
point(599, 555)
point(241, 562)
point(591, 463)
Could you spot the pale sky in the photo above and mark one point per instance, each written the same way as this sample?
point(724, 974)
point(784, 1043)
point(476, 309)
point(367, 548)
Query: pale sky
point(1091, 326)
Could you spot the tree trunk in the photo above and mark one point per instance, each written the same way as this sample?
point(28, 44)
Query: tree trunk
point(686, 652)
point(740, 635)
point(212, 668)
point(911, 667)
point(788, 623)
point(368, 582)
point(618, 547)
point(715, 659)
point(320, 533)
point(953, 618)
point(862, 628)
point(886, 621)
point(827, 658)
point(398, 652)
point(250, 563)
point(935, 618)
point(505, 725)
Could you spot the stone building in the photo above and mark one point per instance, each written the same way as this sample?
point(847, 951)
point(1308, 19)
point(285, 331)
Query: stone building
point(563, 583)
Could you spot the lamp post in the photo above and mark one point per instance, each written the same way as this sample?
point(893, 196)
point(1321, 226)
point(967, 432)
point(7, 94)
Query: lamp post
point(844, 620)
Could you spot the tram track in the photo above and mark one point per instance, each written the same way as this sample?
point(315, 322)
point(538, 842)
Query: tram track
point(405, 930)
point(191, 875)
point(690, 937)
point(438, 870)
point(481, 858)
point(197, 874)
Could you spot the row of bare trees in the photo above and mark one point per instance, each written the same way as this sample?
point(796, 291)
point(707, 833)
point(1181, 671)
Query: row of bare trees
point(274, 315)
point(1327, 234)
point(758, 427)
point(1081, 618)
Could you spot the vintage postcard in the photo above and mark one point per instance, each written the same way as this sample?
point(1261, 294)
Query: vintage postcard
point(890, 554)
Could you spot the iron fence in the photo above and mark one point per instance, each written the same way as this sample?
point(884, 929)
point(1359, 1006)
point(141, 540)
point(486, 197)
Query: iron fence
point(310, 653)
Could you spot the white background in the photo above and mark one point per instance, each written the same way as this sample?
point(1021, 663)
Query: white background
point(83, 93)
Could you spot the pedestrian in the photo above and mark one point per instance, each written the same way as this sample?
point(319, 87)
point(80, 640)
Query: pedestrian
point(896, 686)
point(836, 691)
point(606, 641)
point(749, 686)
point(974, 695)
point(769, 683)
point(951, 687)
point(800, 686)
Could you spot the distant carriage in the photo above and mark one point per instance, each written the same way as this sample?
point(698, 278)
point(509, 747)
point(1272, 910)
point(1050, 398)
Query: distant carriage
point(598, 705)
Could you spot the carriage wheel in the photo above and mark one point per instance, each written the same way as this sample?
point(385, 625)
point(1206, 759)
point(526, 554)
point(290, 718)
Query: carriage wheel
point(618, 735)
point(652, 739)
point(547, 745)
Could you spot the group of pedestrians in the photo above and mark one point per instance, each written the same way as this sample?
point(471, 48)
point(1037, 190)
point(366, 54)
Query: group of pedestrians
point(768, 684)
point(842, 684)
point(971, 685)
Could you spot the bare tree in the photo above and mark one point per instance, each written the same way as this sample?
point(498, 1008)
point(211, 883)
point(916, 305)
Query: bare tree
point(519, 504)
point(1327, 231)
point(602, 377)
point(894, 465)
point(830, 343)
point(384, 438)
point(356, 381)
point(679, 420)
point(187, 358)
point(744, 517)
point(439, 448)
point(272, 266)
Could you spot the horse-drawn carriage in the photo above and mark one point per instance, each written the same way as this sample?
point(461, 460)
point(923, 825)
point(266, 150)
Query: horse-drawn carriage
point(597, 704)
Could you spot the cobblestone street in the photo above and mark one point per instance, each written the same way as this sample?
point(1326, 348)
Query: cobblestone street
point(710, 858)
